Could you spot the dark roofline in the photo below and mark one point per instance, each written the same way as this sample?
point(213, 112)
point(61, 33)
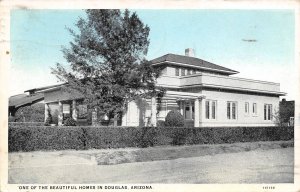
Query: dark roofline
point(42, 88)
point(165, 59)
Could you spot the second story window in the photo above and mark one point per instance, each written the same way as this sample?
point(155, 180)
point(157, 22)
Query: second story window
point(189, 72)
point(177, 71)
point(182, 72)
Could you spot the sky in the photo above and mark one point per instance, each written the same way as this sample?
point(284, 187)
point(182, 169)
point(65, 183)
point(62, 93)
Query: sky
point(217, 36)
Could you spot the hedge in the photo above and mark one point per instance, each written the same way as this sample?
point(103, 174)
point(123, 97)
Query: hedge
point(32, 138)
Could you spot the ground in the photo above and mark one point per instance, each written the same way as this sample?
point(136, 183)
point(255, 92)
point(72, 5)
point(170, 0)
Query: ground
point(260, 165)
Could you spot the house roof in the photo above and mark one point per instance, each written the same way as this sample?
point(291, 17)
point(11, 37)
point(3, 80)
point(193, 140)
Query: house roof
point(191, 61)
point(34, 90)
point(24, 99)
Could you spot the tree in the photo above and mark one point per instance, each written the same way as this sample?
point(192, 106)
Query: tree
point(286, 110)
point(107, 61)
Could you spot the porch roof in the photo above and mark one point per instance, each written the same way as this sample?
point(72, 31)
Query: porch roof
point(183, 95)
point(24, 99)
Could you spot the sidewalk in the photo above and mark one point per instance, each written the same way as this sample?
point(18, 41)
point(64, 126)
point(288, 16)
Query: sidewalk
point(130, 155)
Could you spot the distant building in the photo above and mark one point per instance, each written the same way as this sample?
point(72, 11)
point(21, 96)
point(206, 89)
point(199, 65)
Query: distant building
point(22, 100)
point(205, 94)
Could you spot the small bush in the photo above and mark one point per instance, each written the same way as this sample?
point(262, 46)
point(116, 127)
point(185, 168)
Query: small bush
point(174, 119)
point(69, 122)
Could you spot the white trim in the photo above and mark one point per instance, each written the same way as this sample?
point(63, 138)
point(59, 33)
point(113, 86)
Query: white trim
point(50, 89)
point(183, 94)
point(238, 78)
point(221, 76)
point(242, 89)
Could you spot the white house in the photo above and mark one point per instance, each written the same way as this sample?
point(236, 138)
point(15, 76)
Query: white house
point(205, 94)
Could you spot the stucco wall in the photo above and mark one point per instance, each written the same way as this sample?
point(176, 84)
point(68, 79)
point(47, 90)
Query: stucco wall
point(135, 116)
point(243, 119)
point(168, 79)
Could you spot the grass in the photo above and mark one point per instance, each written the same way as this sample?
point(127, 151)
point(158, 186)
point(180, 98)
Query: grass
point(129, 155)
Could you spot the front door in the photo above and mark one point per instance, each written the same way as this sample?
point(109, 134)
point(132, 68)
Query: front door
point(189, 110)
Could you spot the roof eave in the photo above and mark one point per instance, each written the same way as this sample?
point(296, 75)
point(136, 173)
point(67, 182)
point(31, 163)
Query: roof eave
point(232, 72)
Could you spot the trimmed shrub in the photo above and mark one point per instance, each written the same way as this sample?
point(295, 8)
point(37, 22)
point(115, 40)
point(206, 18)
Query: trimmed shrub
point(69, 122)
point(28, 137)
point(174, 119)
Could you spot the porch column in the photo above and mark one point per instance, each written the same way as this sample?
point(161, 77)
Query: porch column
point(153, 111)
point(46, 111)
point(74, 110)
point(197, 113)
point(94, 117)
point(124, 119)
point(181, 106)
point(60, 113)
point(191, 109)
point(115, 120)
point(124, 115)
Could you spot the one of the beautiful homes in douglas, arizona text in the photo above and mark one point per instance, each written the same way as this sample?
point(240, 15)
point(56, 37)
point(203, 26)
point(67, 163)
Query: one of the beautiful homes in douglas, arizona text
point(206, 95)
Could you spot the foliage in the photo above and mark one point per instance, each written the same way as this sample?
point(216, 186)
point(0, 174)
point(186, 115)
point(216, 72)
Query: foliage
point(174, 119)
point(107, 61)
point(160, 123)
point(11, 119)
point(49, 118)
point(28, 137)
point(48, 121)
point(55, 117)
point(32, 113)
point(70, 122)
point(286, 110)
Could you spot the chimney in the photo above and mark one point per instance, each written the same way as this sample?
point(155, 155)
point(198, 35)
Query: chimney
point(189, 52)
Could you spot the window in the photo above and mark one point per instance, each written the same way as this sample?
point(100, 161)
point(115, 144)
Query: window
point(233, 115)
point(210, 109)
point(207, 109)
point(182, 72)
point(247, 108)
point(66, 108)
point(188, 72)
point(213, 110)
point(194, 71)
point(267, 112)
point(254, 108)
point(177, 71)
point(231, 110)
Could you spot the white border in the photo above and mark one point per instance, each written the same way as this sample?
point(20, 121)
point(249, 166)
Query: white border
point(7, 5)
